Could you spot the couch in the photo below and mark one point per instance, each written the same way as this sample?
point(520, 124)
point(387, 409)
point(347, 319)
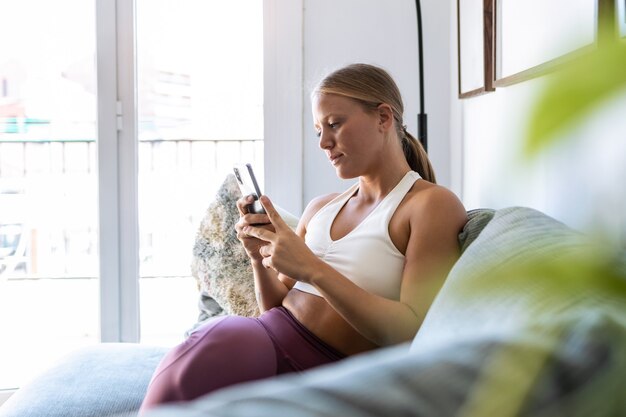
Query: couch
point(530, 321)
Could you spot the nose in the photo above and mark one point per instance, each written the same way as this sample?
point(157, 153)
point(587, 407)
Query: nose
point(326, 141)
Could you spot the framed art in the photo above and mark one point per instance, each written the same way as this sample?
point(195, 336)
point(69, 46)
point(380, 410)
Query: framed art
point(475, 47)
point(534, 36)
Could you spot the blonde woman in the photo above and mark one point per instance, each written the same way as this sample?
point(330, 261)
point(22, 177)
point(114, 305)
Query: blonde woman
point(362, 267)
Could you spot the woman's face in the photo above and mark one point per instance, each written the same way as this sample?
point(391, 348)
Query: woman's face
point(351, 136)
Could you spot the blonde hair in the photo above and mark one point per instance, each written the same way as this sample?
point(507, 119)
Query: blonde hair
point(371, 86)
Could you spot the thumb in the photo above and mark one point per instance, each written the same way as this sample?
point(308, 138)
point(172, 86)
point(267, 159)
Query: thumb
point(275, 218)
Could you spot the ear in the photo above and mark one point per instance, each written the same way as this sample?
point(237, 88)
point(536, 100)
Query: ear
point(385, 116)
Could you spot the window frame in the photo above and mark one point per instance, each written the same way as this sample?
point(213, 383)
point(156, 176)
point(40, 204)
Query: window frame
point(116, 67)
point(117, 171)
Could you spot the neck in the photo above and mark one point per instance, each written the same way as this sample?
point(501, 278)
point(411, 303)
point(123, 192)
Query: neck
point(376, 186)
point(390, 168)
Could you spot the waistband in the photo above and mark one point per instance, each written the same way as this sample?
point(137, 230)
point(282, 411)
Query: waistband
point(281, 325)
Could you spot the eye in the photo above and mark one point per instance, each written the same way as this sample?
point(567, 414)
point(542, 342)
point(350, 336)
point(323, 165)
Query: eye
point(318, 133)
point(333, 125)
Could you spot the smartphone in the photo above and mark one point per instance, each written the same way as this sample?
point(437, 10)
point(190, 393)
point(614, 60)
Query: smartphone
point(249, 186)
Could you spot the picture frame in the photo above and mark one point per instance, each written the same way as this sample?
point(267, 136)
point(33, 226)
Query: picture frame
point(529, 40)
point(475, 47)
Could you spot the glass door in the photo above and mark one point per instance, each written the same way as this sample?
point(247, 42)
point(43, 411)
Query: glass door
point(48, 184)
point(200, 105)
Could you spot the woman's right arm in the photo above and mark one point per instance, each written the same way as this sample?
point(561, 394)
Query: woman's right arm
point(270, 287)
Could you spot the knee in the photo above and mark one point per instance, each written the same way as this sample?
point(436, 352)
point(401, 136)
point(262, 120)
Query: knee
point(232, 351)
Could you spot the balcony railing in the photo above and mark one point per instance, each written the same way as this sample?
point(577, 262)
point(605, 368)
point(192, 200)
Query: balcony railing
point(48, 202)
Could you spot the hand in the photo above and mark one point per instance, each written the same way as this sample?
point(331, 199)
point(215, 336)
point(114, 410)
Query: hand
point(283, 250)
point(251, 244)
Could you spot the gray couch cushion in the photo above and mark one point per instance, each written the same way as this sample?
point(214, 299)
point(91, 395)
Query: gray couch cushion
point(482, 294)
point(97, 381)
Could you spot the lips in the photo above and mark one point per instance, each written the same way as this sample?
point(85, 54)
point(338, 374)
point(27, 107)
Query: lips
point(334, 159)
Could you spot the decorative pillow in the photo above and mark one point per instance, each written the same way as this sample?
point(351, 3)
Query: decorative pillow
point(220, 264)
point(477, 219)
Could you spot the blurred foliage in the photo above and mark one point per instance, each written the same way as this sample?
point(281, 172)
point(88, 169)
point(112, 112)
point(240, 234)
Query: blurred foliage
point(576, 90)
point(593, 279)
point(566, 288)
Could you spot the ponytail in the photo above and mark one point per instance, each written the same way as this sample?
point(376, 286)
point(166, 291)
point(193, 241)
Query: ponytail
point(416, 156)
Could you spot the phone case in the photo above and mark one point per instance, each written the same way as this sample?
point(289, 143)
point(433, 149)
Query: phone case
point(248, 185)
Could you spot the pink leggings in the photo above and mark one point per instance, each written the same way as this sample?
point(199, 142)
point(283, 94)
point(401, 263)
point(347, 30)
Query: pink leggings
point(232, 349)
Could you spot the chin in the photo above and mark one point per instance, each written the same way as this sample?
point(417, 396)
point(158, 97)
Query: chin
point(345, 174)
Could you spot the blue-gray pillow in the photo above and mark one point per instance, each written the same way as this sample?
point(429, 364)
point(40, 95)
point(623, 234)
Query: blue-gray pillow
point(95, 381)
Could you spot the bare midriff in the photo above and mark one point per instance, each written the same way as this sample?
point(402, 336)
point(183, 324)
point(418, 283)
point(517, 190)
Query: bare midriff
point(322, 320)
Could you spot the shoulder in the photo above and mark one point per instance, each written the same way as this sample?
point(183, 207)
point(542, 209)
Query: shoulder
point(313, 207)
point(425, 194)
point(436, 203)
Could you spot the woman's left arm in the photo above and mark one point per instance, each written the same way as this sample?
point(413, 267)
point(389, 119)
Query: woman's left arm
point(437, 217)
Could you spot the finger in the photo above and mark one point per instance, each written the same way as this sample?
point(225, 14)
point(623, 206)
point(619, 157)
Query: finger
point(267, 263)
point(240, 225)
point(265, 251)
point(243, 203)
point(256, 219)
point(260, 233)
point(273, 215)
point(241, 235)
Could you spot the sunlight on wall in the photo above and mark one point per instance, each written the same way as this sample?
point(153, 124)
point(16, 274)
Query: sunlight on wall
point(579, 181)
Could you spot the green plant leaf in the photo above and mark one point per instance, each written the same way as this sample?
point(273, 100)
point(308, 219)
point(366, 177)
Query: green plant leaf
point(573, 92)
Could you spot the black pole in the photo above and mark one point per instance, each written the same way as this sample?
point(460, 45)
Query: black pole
point(422, 118)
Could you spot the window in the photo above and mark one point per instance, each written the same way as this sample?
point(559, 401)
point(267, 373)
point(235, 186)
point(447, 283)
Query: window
point(199, 91)
point(48, 184)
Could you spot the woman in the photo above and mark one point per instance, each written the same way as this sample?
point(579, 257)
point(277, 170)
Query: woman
point(361, 269)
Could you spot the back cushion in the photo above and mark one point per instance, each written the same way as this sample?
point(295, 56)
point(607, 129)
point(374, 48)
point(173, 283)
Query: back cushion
point(477, 219)
point(478, 298)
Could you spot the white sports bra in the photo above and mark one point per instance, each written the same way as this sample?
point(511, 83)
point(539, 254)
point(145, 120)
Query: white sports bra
point(366, 255)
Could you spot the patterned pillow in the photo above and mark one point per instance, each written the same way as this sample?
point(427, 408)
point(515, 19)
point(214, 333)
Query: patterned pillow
point(220, 264)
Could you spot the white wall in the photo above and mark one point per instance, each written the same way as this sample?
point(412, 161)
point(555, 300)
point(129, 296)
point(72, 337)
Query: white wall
point(282, 94)
point(579, 180)
point(334, 33)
